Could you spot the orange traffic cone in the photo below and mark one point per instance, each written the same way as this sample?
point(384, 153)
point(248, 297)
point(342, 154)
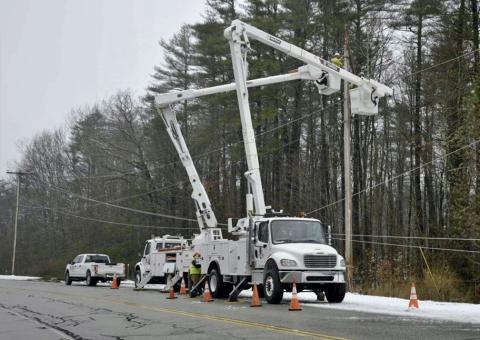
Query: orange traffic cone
point(207, 296)
point(255, 298)
point(171, 294)
point(114, 282)
point(413, 297)
point(294, 303)
point(183, 290)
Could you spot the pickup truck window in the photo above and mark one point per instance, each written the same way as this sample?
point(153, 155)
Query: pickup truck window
point(97, 259)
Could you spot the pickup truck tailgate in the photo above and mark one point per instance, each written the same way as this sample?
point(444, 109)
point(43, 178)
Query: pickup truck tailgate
point(109, 270)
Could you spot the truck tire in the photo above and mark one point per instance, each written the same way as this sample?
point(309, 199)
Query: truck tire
point(272, 287)
point(335, 293)
point(68, 279)
point(216, 285)
point(138, 277)
point(90, 280)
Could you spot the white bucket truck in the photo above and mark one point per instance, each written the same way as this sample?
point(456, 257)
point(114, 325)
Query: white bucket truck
point(272, 249)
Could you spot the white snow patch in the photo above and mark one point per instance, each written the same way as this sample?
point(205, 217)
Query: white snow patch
point(19, 278)
point(445, 311)
point(448, 311)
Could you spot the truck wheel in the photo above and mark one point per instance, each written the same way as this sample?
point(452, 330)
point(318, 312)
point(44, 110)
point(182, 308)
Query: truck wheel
point(68, 280)
point(89, 280)
point(138, 277)
point(272, 287)
point(216, 285)
point(335, 293)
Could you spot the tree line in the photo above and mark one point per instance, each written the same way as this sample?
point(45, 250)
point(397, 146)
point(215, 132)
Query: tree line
point(416, 165)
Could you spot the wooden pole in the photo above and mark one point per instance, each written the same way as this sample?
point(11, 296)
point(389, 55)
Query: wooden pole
point(347, 168)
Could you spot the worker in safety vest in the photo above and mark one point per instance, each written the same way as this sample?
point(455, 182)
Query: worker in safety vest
point(337, 60)
point(194, 272)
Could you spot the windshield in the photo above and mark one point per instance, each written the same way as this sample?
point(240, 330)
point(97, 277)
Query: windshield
point(97, 259)
point(297, 231)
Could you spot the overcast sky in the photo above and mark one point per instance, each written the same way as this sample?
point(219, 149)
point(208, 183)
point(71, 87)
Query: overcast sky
point(56, 55)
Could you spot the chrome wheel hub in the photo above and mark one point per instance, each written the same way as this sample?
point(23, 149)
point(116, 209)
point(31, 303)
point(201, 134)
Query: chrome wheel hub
point(269, 286)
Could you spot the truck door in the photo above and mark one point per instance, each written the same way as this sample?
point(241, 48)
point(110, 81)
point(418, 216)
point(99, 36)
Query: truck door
point(76, 266)
point(262, 245)
point(146, 256)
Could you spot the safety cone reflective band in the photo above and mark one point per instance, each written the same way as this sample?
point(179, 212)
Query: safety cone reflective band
point(294, 303)
point(183, 290)
point(171, 294)
point(255, 298)
point(413, 297)
point(207, 296)
point(114, 282)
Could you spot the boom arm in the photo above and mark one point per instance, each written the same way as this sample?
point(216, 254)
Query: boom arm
point(205, 215)
point(326, 76)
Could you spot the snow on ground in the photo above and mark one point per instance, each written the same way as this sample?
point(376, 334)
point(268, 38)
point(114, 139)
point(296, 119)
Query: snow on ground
point(18, 278)
point(445, 311)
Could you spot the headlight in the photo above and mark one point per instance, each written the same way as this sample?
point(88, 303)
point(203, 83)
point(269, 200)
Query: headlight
point(342, 263)
point(288, 263)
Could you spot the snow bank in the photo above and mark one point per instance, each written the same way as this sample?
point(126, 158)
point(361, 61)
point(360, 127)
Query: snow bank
point(18, 278)
point(451, 311)
point(445, 311)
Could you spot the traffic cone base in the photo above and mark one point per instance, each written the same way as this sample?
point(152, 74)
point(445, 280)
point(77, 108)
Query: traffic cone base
point(413, 298)
point(114, 282)
point(207, 296)
point(171, 294)
point(255, 297)
point(294, 303)
point(183, 290)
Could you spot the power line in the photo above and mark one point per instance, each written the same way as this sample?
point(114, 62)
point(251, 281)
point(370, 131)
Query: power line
point(121, 206)
point(415, 237)
point(395, 177)
point(61, 211)
point(412, 246)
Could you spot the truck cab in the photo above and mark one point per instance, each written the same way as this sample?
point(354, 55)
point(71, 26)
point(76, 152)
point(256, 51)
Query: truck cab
point(291, 249)
point(159, 259)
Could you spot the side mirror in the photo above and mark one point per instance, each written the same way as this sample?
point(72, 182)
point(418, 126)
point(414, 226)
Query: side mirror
point(71, 262)
point(329, 228)
point(264, 245)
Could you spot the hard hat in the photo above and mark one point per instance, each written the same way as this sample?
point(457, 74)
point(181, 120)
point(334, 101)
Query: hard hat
point(337, 54)
point(197, 255)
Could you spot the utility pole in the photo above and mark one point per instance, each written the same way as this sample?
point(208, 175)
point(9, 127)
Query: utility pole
point(18, 174)
point(347, 160)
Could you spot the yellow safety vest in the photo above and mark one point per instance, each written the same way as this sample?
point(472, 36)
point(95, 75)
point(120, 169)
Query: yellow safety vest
point(337, 61)
point(194, 270)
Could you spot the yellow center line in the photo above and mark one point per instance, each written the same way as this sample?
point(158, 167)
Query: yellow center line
point(259, 325)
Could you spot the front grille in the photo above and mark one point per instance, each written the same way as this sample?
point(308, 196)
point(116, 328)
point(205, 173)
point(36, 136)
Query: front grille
point(320, 261)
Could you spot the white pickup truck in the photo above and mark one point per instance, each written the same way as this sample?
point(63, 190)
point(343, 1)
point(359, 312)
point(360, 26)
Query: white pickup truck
point(93, 268)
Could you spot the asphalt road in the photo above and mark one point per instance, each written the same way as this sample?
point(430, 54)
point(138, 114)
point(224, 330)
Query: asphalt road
point(41, 310)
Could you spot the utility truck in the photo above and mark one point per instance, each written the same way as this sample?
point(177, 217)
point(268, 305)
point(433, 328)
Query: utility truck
point(160, 259)
point(272, 249)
